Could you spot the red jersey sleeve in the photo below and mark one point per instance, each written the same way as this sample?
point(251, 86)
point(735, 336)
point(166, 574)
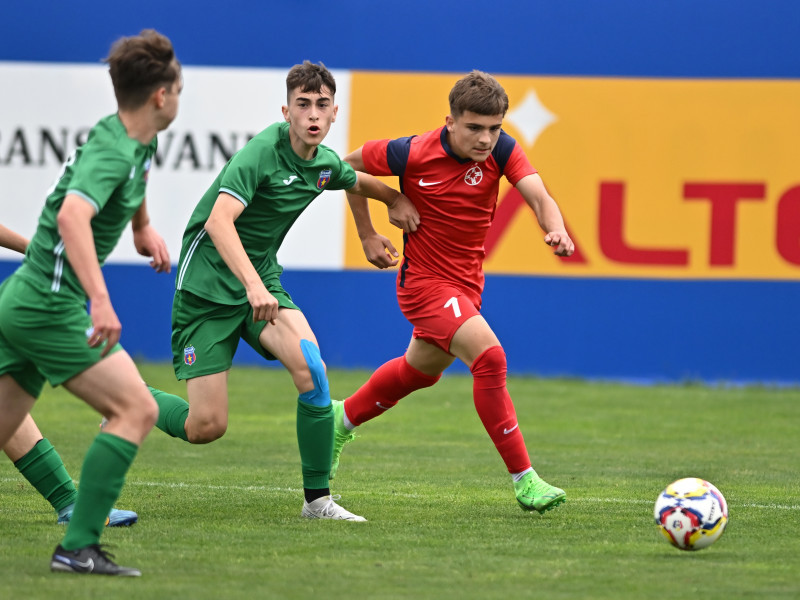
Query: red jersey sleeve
point(518, 166)
point(374, 154)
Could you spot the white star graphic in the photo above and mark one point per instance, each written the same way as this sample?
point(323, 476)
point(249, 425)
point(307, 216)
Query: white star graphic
point(531, 118)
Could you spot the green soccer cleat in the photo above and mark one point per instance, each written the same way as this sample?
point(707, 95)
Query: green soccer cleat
point(534, 493)
point(341, 435)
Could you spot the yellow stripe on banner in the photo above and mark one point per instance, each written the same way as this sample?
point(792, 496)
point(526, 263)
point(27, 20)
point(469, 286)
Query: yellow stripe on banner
point(690, 179)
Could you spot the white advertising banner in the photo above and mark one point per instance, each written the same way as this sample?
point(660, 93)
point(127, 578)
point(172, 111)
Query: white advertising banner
point(46, 110)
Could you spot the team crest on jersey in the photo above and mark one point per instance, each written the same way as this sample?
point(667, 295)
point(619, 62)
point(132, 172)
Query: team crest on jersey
point(324, 178)
point(146, 169)
point(189, 357)
point(473, 176)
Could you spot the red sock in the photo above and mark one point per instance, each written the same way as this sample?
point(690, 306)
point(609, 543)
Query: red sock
point(496, 409)
point(392, 381)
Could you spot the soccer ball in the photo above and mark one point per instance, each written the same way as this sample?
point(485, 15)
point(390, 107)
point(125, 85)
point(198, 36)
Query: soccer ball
point(691, 513)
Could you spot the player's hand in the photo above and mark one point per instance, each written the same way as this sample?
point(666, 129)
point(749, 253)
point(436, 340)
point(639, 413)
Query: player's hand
point(403, 214)
point(265, 305)
point(106, 327)
point(561, 241)
point(149, 243)
point(379, 251)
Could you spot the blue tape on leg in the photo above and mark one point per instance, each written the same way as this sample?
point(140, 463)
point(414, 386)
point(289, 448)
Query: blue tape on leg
point(320, 395)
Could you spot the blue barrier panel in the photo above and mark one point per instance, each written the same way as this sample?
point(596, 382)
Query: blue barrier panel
point(681, 38)
point(632, 330)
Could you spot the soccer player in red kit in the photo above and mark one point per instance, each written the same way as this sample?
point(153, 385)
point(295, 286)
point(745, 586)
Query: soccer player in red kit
point(452, 176)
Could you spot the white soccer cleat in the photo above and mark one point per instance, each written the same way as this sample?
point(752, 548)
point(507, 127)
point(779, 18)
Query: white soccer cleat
point(326, 508)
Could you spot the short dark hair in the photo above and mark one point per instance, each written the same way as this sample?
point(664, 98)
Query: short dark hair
point(480, 93)
point(310, 77)
point(139, 65)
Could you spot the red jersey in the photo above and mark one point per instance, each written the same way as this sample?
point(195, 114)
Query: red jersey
point(455, 198)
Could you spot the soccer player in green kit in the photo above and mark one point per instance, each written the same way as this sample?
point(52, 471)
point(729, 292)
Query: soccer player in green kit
point(36, 458)
point(228, 284)
point(45, 331)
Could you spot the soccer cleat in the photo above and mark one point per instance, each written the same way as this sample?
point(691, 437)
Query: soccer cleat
point(534, 493)
point(341, 435)
point(121, 518)
point(116, 518)
point(90, 560)
point(326, 508)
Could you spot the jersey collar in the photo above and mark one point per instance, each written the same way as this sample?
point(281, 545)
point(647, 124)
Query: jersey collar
point(448, 149)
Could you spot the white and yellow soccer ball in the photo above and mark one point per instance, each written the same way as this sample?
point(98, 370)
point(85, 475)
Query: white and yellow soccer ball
point(691, 513)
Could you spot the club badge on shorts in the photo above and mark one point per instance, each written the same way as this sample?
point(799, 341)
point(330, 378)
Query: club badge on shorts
point(189, 357)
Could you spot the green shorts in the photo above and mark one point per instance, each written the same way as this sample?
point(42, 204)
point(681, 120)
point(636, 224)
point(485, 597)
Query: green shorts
point(205, 334)
point(43, 336)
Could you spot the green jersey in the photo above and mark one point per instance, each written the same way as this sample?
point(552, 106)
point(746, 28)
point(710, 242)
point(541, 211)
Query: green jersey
point(110, 172)
point(275, 186)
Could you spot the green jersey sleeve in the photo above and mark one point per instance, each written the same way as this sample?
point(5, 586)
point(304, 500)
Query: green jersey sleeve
point(97, 176)
point(346, 176)
point(248, 170)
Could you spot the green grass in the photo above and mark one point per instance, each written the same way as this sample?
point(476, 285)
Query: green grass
point(222, 520)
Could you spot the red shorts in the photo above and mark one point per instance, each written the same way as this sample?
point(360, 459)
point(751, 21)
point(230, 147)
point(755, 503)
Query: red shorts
point(437, 311)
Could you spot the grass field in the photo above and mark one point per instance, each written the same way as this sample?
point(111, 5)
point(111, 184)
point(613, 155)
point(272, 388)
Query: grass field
point(222, 521)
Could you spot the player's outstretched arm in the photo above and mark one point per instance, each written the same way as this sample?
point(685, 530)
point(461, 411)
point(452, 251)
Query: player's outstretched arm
point(12, 240)
point(377, 248)
point(356, 160)
point(547, 213)
point(402, 212)
point(148, 242)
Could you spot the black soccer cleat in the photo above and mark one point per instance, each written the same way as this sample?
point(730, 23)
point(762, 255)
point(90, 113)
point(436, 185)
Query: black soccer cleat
point(91, 560)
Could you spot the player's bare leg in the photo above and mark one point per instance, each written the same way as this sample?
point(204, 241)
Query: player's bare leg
point(23, 440)
point(15, 404)
point(291, 341)
point(207, 416)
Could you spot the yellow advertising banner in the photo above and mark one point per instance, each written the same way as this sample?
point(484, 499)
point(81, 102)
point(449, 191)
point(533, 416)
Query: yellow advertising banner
point(656, 178)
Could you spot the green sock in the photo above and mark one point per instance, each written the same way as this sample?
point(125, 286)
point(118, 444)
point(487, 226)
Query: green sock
point(43, 468)
point(107, 461)
point(172, 413)
point(315, 438)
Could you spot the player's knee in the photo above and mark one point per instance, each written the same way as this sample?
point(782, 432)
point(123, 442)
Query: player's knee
point(138, 411)
point(203, 431)
point(319, 395)
point(148, 413)
point(411, 377)
point(316, 367)
point(490, 363)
